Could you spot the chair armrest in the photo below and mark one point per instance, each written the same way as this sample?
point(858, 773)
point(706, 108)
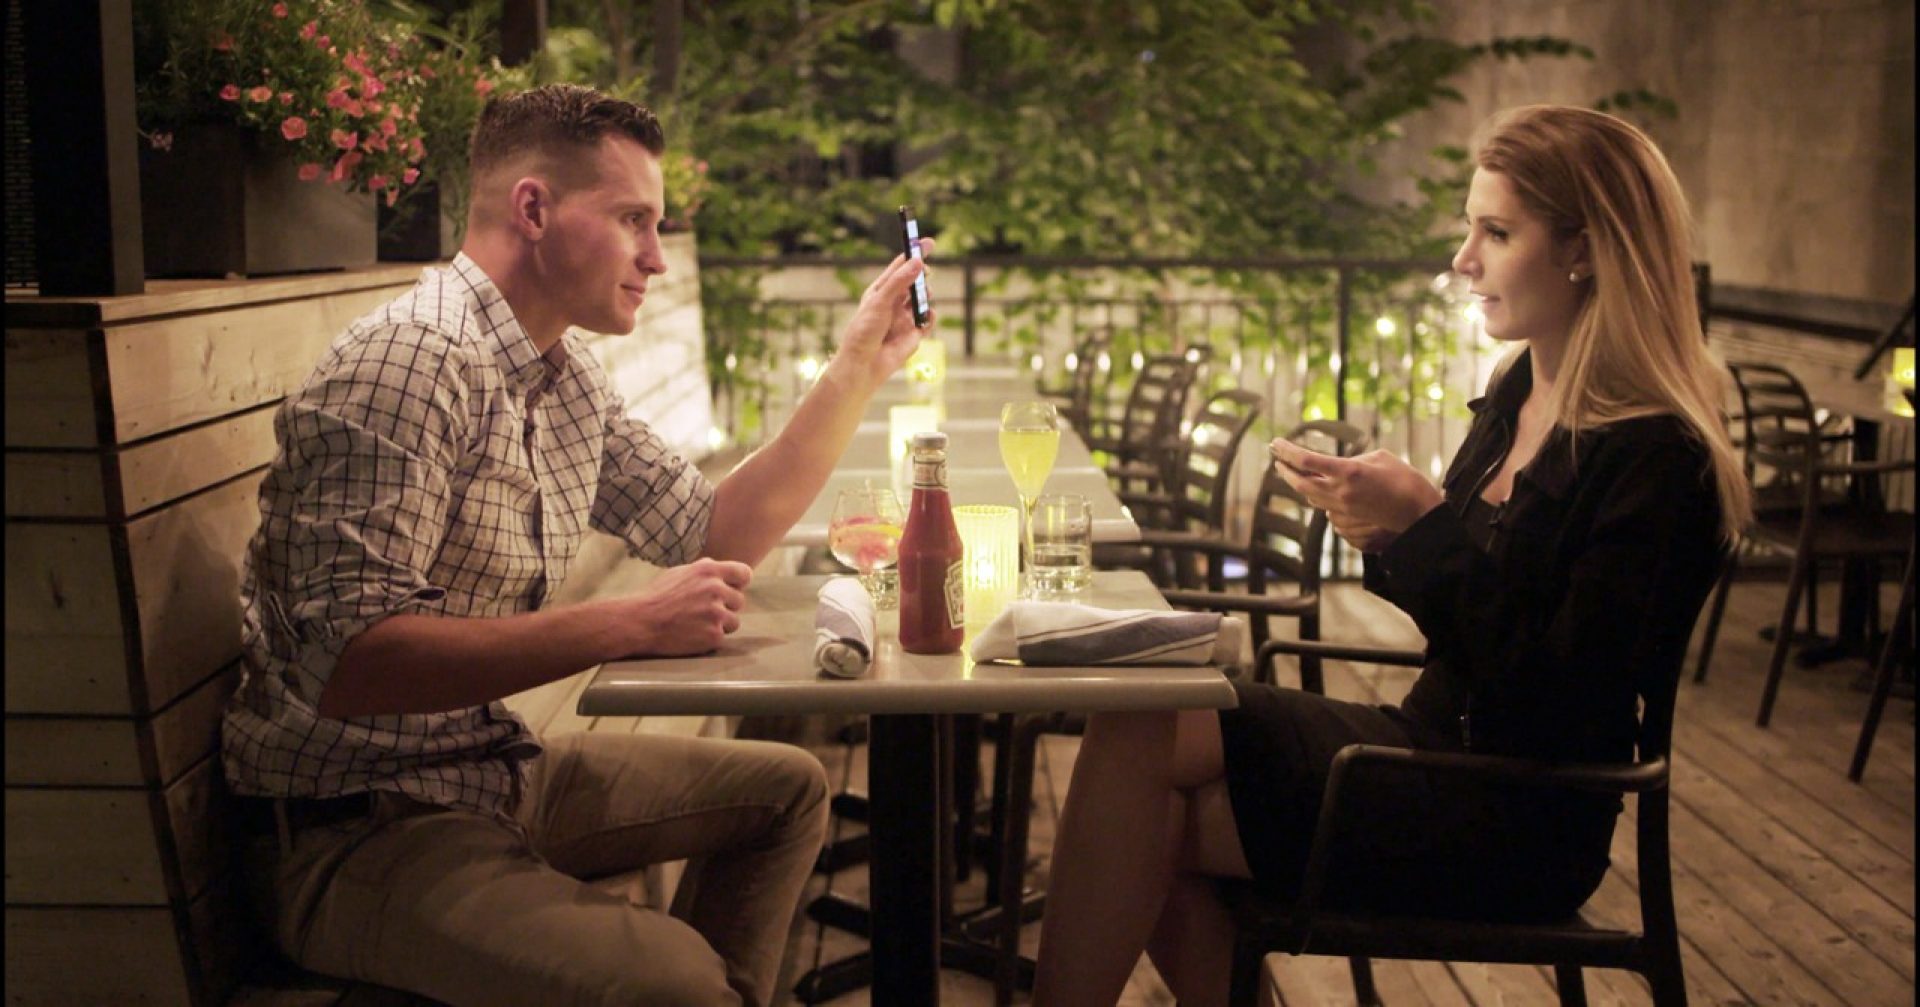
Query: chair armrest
point(1188, 541)
point(1339, 652)
point(1877, 467)
point(1252, 604)
point(1356, 759)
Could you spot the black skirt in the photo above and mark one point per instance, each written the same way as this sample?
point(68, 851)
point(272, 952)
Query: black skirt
point(1418, 845)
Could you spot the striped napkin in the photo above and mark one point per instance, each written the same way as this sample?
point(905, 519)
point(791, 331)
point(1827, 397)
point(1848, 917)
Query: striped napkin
point(843, 629)
point(1063, 633)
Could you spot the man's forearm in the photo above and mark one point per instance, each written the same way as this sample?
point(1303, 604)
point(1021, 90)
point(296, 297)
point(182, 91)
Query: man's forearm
point(758, 502)
point(428, 664)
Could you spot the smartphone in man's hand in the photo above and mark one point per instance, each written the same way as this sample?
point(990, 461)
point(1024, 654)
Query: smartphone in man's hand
point(910, 243)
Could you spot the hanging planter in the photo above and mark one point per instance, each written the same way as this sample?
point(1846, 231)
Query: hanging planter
point(221, 202)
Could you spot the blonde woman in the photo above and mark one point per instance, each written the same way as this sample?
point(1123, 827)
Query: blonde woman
point(1556, 573)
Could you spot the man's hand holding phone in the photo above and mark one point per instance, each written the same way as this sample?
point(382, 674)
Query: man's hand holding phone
point(920, 300)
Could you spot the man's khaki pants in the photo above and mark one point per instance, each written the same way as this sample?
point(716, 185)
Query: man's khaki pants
point(472, 910)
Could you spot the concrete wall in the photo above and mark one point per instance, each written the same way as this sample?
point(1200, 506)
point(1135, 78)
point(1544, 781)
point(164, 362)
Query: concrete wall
point(1794, 138)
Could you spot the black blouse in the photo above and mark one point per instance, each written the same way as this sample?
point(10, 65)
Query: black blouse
point(1580, 595)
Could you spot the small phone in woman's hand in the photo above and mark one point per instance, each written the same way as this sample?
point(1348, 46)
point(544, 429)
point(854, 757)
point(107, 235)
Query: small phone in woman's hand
point(1274, 450)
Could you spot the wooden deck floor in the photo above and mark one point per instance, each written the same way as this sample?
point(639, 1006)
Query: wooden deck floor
point(1793, 885)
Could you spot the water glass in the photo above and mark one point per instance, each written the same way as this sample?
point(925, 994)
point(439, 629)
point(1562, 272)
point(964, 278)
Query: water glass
point(1062, 557)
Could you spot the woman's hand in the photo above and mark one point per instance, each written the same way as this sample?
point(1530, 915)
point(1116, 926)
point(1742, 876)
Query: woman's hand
point(881, 335)
point(1369, 499)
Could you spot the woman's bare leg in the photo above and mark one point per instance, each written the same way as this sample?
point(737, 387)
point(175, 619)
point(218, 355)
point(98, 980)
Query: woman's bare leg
point(1115, 853)
point(1192, 946)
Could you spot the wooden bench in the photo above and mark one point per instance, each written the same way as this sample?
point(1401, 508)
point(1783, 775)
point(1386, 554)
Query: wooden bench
point(137, 429)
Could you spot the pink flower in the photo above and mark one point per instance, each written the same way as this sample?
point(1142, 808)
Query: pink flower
point(309, 172)
point(223, 44)
point(337, 98)
point(393, 196)
point(388, 127)
point(279, 10)
point(343, 139)
point(701, 167)
point(323, 42)
point(230, 93)
point(286, 97)
point(261, 93)
point(375, 107)
point(344, 167)
point(427, 72)
point(293, 127)
point(162, 141)
point(377, 182)
point(370, 86)
point(482, 86)
point(409, 176)
point(352, 107)
point(310, 29)
point(416, 149)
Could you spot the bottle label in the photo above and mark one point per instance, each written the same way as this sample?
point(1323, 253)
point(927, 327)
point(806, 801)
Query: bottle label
point(930, 473)
point(957, 595)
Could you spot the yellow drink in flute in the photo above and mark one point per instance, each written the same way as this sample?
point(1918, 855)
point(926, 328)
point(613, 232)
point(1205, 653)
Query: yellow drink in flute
point(1028, 454)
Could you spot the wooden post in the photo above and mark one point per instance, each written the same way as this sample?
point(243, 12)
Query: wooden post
point(523, 30)
point(86, 167)
point(666, 51)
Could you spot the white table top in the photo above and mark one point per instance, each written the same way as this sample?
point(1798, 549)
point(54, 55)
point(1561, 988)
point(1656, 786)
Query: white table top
point(971, 444)
point(1112, 522)
point(767, 668)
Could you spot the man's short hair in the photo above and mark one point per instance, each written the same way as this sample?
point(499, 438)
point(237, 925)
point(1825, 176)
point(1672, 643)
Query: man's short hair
point(558, 123)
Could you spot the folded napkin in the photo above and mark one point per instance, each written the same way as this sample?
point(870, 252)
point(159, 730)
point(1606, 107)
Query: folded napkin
point(843, 629)
point(1063, 633)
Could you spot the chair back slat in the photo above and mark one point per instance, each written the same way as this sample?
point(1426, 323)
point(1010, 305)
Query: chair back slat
point(1205, 465)
point(1288, 534)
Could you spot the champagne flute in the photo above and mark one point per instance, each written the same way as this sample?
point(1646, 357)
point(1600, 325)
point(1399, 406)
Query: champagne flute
point(1029, 442)
point(864, 534)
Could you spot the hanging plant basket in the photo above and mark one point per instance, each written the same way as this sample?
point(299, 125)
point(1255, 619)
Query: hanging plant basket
point(220, 202)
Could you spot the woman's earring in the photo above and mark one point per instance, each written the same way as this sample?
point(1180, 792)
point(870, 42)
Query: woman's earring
point(1573, 276)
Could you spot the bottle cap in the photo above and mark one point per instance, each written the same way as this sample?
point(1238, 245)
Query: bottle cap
point(931, 439)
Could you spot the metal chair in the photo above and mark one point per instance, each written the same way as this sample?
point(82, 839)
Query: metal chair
point(1193, 500)
point(1786, 438)
point(1149, 424)
point(1883, 673)
point(1306, 926)
point(1775, 409)
point(1075, 400)
point(1286, 540)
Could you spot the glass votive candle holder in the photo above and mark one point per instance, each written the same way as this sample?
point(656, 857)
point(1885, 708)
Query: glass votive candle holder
point(990, 537)
point(902, 423)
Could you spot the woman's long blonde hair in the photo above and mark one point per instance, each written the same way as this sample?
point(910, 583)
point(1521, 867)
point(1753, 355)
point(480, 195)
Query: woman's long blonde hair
point(1636, 347)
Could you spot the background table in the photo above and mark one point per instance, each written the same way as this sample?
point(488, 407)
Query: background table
point(767, 668)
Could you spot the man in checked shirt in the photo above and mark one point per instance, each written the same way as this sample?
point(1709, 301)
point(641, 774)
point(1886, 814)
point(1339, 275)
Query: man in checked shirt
point(434, 478)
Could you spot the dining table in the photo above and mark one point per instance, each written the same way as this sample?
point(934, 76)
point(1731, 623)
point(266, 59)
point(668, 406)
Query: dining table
point(766, 667)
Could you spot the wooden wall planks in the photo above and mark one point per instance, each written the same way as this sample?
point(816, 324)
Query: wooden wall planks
point(136, 432)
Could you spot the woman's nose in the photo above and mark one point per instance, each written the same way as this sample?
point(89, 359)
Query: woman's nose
point(1463, 263)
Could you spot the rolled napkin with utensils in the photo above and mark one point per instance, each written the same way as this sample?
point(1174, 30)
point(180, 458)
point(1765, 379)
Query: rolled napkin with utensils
point(843, 634)
point(1063, 633)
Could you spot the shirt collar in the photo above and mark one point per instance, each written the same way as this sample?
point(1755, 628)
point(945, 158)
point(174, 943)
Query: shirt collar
point(1552, 468)
point(513, 350)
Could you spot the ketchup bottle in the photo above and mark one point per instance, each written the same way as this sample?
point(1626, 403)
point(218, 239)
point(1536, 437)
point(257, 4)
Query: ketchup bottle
point(932, 583)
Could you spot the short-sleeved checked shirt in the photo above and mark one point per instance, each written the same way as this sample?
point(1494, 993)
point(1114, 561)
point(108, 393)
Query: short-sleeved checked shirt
point(433, 463)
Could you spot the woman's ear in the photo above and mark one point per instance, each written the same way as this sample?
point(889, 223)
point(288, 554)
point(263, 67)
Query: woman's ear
point(1576, 256)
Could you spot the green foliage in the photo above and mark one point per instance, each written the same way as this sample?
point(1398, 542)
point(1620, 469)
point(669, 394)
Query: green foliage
point(1141, 129)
